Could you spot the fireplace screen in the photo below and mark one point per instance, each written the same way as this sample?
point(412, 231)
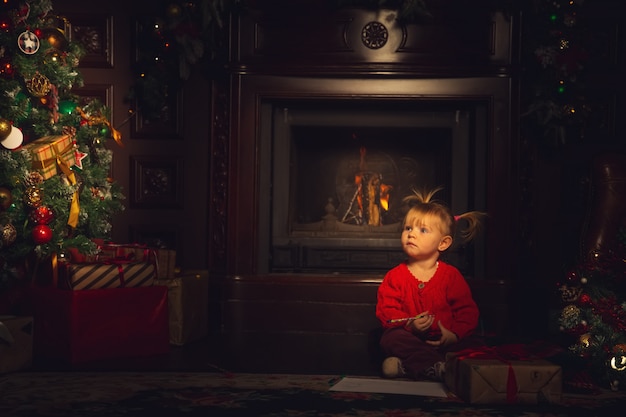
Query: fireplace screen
point(336, 177)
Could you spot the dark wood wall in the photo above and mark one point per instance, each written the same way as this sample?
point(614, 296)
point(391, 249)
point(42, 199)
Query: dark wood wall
point(307, 322)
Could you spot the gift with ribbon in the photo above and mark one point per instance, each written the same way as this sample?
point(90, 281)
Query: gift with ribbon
point(188, 301)
point(49, 152)
point(164, 259)
point(16, 343)
point(110, 274)
point(503, 374)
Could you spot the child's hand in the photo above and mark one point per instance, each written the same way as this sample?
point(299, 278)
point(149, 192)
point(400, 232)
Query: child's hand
point(422, 322)
point(447, 337)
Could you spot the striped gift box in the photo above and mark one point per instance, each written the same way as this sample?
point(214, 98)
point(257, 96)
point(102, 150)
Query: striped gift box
point(109, 275)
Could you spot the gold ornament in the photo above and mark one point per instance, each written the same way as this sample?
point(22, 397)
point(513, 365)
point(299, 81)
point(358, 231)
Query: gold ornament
point(618, 363)
point(570, 312)
point(6, 198)
point(32, 196)
point(5, 128)
point(38, 85)
point(56, 38)
point(585, 339)
point(570, 294)
point(8, 234)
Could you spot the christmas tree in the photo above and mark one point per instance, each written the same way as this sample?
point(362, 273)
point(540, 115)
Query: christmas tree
point(593, 316)
point(55, 189)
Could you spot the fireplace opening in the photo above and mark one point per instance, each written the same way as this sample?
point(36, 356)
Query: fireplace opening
point(334, 175)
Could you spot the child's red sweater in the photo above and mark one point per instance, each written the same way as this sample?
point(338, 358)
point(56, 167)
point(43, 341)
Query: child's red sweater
point(447, 295)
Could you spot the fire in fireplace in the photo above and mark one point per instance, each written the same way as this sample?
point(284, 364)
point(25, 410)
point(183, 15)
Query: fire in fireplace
point(336, 174)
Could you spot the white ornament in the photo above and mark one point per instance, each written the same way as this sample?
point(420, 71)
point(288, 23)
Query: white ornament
point(28, 42)
point(14, 139)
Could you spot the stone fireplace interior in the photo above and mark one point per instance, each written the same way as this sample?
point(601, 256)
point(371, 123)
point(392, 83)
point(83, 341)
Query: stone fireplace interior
point(320, 130)
point(336, 173)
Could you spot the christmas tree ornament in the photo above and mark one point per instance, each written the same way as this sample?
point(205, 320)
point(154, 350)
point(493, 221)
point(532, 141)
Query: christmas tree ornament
point(42, 234)
point(14, 139)
point(585, 340)
point(79, 158)
point(42, 215)
point(67, 106)
point(34, 178)
point(6, 68)
point(6, 198)
point(618, 363)
point(5, 128)
point(570, 313)
point(8, 234)
point(28, 42)
point(56, 38)
point(63, 255)
point(32, 196)
point(38, 85)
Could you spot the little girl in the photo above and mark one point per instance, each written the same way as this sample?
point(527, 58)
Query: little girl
point(425, 305)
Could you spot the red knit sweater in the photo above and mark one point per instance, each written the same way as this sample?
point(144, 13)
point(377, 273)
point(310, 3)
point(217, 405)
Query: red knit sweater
point(446, 295)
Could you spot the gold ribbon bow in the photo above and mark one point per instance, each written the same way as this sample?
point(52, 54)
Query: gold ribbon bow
point(96, 120)
point(74, 205)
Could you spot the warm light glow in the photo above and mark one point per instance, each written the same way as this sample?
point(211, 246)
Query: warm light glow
point(384, 196)
point(618, 363)
point(369, 185)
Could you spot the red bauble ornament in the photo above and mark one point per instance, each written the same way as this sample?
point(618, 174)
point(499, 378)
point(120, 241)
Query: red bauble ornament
point(42, 234)
point(585, 300)
point(41, 215)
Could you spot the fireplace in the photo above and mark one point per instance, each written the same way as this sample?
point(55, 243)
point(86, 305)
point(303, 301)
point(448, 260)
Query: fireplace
point(336, 172)
point(320, 128)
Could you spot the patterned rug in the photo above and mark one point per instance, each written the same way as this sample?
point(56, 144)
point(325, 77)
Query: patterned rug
point(135, 394)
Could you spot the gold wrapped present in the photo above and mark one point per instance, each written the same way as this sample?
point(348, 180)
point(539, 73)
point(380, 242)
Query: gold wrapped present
point(188, 299)
point(166, 263)
point(48, 151)
point(16, 343)
point(501, 375)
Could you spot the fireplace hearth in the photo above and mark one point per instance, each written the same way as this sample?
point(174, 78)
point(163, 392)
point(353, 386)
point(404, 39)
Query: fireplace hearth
point(338, 172)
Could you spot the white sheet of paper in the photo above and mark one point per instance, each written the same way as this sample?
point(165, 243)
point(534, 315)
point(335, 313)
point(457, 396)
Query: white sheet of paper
point(390, 386)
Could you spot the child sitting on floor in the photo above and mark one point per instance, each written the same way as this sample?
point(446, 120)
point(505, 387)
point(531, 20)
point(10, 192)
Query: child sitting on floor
point(425, 305)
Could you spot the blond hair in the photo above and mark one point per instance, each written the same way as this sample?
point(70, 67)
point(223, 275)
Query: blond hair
point(422, 203)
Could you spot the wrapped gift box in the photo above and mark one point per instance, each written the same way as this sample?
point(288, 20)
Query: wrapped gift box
point(45, 151)
point(16, 343)
point(495, 376)
point(166, 263)
point(188, 307)
point(77, 327)
point(164, 259)
point(90, 276)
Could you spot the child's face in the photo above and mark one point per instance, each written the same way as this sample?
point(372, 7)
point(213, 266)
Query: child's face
point(422, 237)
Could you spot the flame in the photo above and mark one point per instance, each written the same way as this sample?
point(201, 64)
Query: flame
point(384, 196)
point(370, 189)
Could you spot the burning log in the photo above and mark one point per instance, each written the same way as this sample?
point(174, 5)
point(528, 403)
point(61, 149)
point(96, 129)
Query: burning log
point(371, 194)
